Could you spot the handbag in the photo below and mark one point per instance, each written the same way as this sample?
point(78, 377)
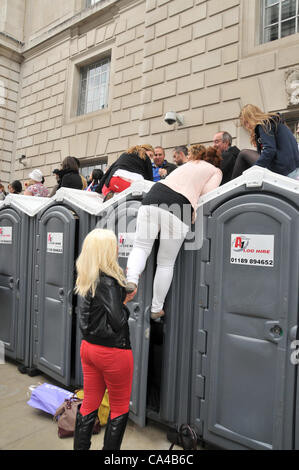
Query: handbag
point(186, 437)
point(65, 416)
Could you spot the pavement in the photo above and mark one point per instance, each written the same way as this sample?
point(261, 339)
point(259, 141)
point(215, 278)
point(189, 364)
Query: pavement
point(25, 428)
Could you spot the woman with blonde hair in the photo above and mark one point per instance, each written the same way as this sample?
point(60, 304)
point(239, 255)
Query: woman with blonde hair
point(277, 148)
point(106, 355)
point(169, 208)
point(133, 165)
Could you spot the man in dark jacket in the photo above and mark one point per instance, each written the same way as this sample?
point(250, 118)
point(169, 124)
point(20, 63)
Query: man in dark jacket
point(223, 141)
point(161, 167)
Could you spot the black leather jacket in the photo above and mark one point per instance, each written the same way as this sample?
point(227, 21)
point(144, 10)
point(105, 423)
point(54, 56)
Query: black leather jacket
point(104, 317)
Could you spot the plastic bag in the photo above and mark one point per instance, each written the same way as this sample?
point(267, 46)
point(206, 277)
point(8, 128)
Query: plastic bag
point(48, 398)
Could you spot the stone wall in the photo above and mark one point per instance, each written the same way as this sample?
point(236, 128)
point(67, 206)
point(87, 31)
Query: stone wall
point(196, 57)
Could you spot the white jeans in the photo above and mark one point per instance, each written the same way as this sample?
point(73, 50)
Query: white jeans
point(150, 221)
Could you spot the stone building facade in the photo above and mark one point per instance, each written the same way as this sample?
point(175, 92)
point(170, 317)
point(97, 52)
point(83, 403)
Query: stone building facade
point(203, 59)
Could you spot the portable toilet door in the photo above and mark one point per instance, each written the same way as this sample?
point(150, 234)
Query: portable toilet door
point(10, 273)
point(251, 310)
point(119, 214)
point(53, 297)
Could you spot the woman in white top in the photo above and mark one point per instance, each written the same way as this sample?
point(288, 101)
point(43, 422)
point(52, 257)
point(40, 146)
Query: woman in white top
point(169, 209)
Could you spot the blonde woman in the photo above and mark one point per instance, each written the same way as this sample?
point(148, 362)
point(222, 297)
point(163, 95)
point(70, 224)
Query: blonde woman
point(168, 209)
point(106, 354)
point(277, 149)
point(133, 165)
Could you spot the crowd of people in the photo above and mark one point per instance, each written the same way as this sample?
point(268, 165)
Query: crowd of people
point(167, 212)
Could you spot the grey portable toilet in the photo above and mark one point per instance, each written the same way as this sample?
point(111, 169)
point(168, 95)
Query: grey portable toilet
point(245, 384)
point(17, 227)
point(162, 351)
point(119, 215)
point(60, 232)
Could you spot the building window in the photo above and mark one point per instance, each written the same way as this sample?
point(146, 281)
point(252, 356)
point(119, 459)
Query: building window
point(87, 168)
point(280, 19)
point(92, 2)
point(94, 86)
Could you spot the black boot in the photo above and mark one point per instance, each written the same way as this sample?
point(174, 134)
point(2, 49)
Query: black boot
point(114, 433)
point(83, 430)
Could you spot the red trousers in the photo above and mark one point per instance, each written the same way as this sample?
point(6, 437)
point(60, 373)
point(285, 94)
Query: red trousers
point(117, 185)
point(110, 368)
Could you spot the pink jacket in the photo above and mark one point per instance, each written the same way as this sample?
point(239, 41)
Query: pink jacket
point(193, 179)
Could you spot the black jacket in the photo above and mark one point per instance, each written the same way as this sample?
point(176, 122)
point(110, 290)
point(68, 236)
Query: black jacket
point(229, 157)
point(277, 147)
point(104, 317)
point(69, 179)
point(129, 162)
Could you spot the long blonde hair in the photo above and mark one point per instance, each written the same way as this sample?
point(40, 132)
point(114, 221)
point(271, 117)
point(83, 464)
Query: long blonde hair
point(98, 255)
point(251, 116)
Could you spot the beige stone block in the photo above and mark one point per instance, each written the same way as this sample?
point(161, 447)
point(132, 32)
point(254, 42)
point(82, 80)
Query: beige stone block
point(207, 26)
point(129, 128)
point(47, 147)
point(101, 121)
point(288, 56)
point(224, 74)
point(150, 5)
point(54, 134)
point(121, 26)
point(155, 46)
point(223, 38)
point(148, 64)
point(167, 26)
point(231, 17)
point(166, 57)
point(273, 101)
point(100, 34)
point(149, 33)
point(38, 162)
point(125, 37)
point(222, 112)
point(78, 145)
point(92, 143)
point(118, 145)
point(120, 117)
point(130, 101)
point(68, 130)
point(177, 6)
point(173, 139)
point(206, 61)
point(181, 69)
point(134, 46)
point(257, 65)
point(84, 126)
point(230, 53)
point(193, 117)
point(124, 63)
point(192, 83)
point(151, 110)
point(91, 38)
point(178, 37)
point(47, 125)
point(216, 6)
point(203, 134)
point(122, 89)
point(194, 15)
point(110, 30)
point(178, 104)
point(192, 49)
point(153, 78)
point(34, 129)
point(164, 91)
point(155, 16)
point(205, 97)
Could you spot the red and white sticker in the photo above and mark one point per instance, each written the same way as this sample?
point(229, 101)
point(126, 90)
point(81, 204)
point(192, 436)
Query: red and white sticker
point(54, 242)
point(125, 243)
point(252, 250)
point(5, 235)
